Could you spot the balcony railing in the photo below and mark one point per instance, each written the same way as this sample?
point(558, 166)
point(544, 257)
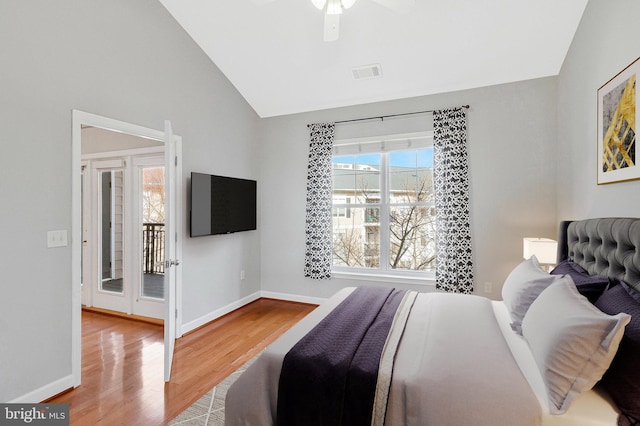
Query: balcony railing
point(153, 248)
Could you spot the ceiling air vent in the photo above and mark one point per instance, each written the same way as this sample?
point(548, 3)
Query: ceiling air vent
point(367, 71)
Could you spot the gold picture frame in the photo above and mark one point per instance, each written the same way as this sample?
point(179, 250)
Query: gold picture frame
point(617, 100)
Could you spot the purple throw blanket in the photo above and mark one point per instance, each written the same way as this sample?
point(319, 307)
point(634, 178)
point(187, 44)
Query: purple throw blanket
point(329, 376)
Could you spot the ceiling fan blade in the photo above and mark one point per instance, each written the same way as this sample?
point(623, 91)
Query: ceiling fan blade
point(399, 6)
point(319, 3)
point(331, 27)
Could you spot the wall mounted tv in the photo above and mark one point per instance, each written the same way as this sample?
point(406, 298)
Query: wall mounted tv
point(221, 205)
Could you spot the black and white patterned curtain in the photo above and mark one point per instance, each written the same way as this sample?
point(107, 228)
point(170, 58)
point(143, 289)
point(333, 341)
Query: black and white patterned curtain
point(454, 269)
point(318, 230)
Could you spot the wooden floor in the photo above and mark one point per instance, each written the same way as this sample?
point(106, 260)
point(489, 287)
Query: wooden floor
point(122, 362)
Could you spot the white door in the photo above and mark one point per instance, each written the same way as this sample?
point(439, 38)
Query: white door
point(85, 264)
point(172, 263)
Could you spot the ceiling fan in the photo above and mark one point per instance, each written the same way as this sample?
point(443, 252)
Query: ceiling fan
point(333, 9)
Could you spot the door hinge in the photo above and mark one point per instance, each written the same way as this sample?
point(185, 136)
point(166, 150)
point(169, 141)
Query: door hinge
point(170, 262)
point(176, 161)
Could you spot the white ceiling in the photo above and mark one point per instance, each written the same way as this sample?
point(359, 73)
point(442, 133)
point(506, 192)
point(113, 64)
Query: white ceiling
point(274, 53)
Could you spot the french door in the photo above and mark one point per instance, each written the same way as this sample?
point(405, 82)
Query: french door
point(125, 236)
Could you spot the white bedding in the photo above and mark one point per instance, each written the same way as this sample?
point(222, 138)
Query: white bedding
point(458, 363)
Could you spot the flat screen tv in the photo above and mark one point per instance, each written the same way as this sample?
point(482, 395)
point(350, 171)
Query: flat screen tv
point(221, 205)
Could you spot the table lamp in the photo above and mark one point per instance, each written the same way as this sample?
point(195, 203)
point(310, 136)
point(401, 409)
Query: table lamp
point(544, 249)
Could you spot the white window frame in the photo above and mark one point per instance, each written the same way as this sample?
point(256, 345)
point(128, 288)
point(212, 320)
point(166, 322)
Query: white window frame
point(390, 143)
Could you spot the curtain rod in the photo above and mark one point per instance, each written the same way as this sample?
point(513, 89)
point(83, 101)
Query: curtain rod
point(382, 117)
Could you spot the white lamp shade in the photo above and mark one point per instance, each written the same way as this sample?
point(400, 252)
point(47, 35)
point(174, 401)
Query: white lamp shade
point(544, 249)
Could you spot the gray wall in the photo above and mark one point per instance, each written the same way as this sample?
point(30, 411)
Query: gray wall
point(605, 43)
point(128, 60)
point(512, 149)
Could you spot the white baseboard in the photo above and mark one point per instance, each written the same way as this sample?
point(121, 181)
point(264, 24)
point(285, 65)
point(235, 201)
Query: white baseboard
point(46, 391)
point(199, 322)
point(292, 297)
point(192, 325)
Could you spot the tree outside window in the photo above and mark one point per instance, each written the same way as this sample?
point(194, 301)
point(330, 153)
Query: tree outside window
point(153, 195)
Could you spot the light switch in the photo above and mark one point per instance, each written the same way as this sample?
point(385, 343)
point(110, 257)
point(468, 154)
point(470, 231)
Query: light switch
point(57, 238)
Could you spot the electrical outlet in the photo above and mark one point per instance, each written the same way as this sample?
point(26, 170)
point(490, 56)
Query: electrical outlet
point(488, 287)
point(242, 274)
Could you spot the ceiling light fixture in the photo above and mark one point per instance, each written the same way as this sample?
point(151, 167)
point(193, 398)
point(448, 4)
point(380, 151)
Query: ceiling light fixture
point(333, 9)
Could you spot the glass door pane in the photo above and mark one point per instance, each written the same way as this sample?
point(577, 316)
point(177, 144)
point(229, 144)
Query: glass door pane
point(111, 224)
point(153, 232)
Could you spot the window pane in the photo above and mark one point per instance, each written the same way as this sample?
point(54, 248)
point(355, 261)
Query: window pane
point(412, 245)
point(153, 232)
point(368, 178)
point(343, 178)
point(356, 238)
point(411, 176)
point(111, 202)
point(356, 177)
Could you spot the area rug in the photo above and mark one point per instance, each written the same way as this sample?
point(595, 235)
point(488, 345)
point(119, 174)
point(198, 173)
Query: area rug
point(209, 409)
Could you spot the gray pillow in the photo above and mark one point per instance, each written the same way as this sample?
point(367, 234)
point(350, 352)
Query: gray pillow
point(572, 341)
point(522, 287)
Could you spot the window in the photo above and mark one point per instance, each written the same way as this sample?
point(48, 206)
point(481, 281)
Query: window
point(384, 214)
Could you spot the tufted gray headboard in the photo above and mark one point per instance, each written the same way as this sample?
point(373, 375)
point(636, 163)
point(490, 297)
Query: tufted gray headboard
point(605, 246)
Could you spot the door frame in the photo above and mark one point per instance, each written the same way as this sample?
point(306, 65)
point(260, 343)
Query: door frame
point(80, 119)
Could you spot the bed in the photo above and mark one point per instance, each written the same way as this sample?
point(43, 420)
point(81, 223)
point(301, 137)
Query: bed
point(536, 358)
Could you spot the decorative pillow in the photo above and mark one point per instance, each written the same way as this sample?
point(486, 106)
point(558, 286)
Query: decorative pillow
point(572, 341)
point(622, 380)
point(590, 286)
point(522, 286)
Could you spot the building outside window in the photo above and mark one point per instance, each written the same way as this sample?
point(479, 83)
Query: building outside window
point(341, 211)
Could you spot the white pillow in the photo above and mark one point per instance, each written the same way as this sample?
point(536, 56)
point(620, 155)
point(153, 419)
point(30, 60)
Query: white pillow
point(572, 341)
point(522, 287)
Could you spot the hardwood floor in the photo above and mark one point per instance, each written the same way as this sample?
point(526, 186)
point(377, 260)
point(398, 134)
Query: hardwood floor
point(122, 362)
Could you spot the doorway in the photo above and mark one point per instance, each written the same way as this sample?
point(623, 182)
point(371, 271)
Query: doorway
point(110, 175)
point(123, 246)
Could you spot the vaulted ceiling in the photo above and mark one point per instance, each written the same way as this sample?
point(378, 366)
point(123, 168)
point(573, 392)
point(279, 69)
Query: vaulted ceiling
point(274, 54)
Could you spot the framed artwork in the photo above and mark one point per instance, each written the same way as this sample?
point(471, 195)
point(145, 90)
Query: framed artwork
point(617, 160)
